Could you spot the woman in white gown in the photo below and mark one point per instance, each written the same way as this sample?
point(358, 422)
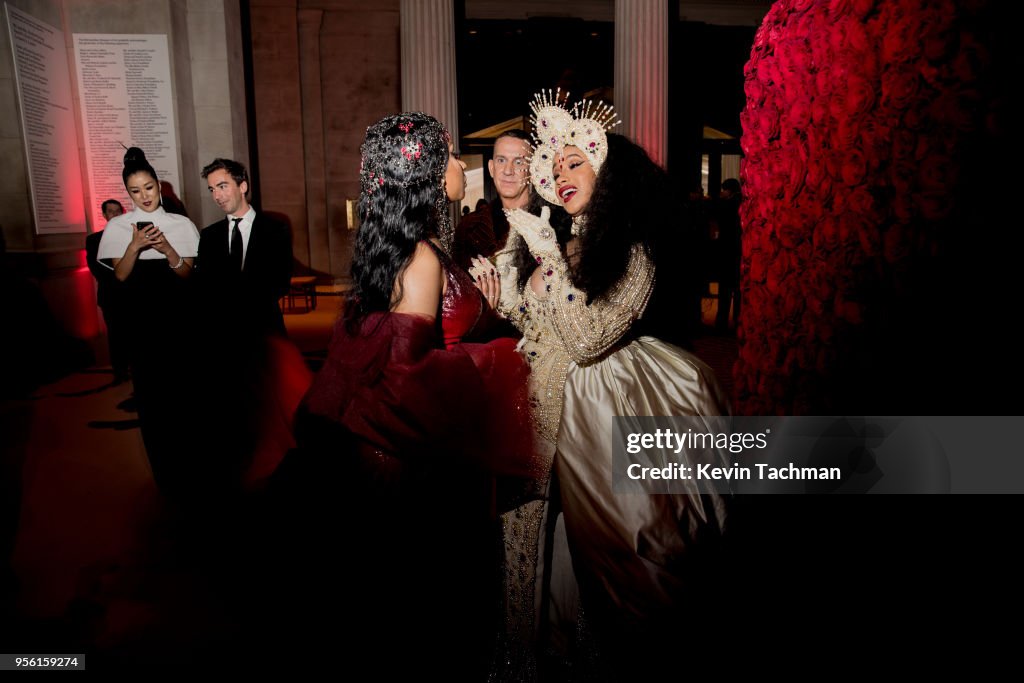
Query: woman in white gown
point(581, 308)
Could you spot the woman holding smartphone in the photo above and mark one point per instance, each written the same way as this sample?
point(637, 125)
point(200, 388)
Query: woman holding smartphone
point(151, 252)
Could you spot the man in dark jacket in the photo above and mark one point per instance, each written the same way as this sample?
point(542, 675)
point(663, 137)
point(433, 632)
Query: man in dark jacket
point(107, 296)
point(245, 260)
point(483, 232)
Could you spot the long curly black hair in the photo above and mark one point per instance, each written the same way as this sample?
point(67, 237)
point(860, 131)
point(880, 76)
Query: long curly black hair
point(402, 202)
point(631, 204)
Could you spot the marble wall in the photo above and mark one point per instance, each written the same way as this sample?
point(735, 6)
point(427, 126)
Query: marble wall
point(323, 70)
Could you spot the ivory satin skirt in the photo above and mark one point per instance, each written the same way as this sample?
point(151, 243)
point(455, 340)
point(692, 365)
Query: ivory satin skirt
point(629, 550)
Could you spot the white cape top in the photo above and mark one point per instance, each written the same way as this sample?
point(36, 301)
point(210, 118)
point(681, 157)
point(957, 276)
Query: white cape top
point(179, 231)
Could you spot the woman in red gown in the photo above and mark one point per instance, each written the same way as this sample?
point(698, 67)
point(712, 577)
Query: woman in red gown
point(414, 412)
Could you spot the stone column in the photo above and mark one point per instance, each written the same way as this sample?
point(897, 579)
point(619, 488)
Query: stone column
point(428, 60)
point(311, 242)
point(217, 112)
point(277, 98)
point(641, 73)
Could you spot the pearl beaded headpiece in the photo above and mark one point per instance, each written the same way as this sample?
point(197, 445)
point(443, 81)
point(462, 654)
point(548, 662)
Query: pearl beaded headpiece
point(555, 127)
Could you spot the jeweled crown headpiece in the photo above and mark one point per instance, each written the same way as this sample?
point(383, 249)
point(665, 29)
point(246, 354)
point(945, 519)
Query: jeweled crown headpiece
point(555, 127)
point(406, 151)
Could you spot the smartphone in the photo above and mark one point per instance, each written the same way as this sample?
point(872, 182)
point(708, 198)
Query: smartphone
point(142, 226)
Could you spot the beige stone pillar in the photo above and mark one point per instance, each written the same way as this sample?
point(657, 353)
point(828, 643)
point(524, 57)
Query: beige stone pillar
point(428, 65)
point(641, 73)
point(311, 242)
point(428, 60)
point(212, 116)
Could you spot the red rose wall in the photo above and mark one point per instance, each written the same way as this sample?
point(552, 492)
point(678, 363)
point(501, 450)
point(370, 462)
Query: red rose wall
point(878, 244)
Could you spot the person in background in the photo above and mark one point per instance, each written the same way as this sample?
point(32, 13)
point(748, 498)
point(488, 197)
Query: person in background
point(111, 208)
point(151, 253)
point(728, 253)
point(245, 258)
point(108, 296)
point(243, 269)
point(483, 233)
point(170, 200)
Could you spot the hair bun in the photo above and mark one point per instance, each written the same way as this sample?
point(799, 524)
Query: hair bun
point(134, 155)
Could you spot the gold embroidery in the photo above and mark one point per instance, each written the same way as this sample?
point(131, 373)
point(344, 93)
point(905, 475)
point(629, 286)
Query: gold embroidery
point(589, 332)
point(559, 328)
point(521, 529)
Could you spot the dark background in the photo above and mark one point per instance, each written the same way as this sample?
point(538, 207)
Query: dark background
point(503, 63)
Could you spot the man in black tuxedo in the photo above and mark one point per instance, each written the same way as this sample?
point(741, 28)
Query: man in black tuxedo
point(243, 269)
point(245, 261)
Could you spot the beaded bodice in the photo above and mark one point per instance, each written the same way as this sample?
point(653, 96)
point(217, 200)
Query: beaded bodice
point(548, 360)
point(559, 328)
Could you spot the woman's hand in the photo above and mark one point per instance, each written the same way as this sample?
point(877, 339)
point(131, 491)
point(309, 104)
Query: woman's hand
point(478, 265)
point(145, 237)
point(536, 230)
point(160, 242)
point(142, 239)
point(487, 281)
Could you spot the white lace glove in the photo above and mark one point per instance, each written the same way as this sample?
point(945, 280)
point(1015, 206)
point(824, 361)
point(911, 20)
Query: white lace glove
point(536, 230)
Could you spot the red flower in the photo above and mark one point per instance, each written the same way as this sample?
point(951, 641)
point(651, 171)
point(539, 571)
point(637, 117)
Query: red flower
point(936, 32)
point(826, 236)
point(758, 267)
point(876, 136)
point(900, 41)
point(855, 167)
point(769, 122)
point(846, 132)
point(799, 113)
point(839, 8)
point(817, 287)
point(902, 206)
point(790, 231)
point(792, 304)
point(858, 200)
point(861, 8)
point(820, 113)
point(754, 90)
point(795, 171)
point(816, 172)
point(860, 96)
point(900, 87)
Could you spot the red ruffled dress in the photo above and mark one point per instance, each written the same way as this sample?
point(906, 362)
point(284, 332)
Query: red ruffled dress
point(422, 394)
point(400, 438)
